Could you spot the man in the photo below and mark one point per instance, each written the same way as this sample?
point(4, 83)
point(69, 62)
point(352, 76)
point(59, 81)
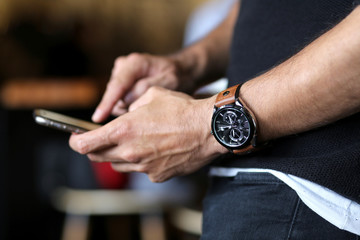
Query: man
point(286, 133)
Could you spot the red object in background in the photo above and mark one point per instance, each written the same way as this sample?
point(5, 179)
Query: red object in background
point(107, 177)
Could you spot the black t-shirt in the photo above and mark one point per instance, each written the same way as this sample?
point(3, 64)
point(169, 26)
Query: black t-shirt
point(267, 33)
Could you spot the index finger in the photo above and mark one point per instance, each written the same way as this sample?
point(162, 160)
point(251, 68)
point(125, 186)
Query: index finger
point(125, 72)
point(115, 90)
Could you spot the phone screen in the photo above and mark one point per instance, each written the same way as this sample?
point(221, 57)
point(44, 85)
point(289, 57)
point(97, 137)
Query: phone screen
point(63, 122)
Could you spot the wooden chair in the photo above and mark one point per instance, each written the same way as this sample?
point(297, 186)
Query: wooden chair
point(187, 220)
point(80, 205)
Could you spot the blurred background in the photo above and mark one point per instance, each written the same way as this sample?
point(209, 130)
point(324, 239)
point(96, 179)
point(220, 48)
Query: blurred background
point(58, 54)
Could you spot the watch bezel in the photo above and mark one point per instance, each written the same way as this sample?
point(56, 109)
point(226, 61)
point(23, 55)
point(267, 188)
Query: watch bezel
point(247, 115)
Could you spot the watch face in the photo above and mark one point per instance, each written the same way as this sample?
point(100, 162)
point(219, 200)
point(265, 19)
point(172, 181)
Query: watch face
point(232, 127)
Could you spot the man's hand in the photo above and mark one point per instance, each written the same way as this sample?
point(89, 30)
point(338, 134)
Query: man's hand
point(164, 134)
point(184, 71)
point(131, 76)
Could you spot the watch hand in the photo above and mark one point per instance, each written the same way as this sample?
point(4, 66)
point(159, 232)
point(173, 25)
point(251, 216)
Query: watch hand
point(223, 127)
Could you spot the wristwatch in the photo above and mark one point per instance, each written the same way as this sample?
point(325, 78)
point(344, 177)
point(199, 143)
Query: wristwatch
point(233, 124)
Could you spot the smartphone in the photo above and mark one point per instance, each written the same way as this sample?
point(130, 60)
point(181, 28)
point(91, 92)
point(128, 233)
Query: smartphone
point(62, 122)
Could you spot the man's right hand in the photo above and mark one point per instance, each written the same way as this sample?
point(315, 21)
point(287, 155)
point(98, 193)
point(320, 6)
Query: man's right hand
point(186, 70)
point(131, 76)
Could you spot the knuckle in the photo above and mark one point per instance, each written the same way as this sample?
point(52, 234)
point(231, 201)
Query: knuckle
point(143, 85)
point(142, 168)
point(130, 156)
point(119, 61)
point(135, 57)
point(132, 58)
point(82, 147)
point(92, 158)
point(156, 178)
point(115, 166)
point(118, 132)
point(154, 90)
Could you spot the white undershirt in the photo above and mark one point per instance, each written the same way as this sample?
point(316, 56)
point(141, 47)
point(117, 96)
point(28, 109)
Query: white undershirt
point(336, 209)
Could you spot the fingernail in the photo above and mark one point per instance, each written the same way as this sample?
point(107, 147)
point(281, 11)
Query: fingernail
point(97, 115)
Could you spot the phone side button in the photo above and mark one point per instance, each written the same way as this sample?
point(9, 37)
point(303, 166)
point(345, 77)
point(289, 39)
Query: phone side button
point(56, 125)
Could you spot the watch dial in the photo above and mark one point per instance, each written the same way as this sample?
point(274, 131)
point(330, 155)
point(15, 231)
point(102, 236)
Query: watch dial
point(232, 127)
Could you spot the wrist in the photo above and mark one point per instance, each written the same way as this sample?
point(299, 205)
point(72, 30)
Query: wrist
point(215, 146)
point(233, 124)
point(190, 65)
point(211, 147)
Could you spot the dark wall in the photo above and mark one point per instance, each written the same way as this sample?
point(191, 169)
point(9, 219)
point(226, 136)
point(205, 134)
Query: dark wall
point(3, 167)
point(38, 160)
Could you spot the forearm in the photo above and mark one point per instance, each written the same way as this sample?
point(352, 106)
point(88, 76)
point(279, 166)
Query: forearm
point(206, 60)
point(317, 86)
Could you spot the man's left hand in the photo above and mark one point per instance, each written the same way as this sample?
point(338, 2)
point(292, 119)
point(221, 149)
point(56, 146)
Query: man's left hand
point(164, 134)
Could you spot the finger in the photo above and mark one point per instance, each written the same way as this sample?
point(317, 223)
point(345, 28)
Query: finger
point(124, 74)
point(101, 156)
point(114, 91)
point(127, 167)
point(111, 154)
point(162, 80)
point(118, 111)
point(120, 108)
point(138, 90)
point(91, 141)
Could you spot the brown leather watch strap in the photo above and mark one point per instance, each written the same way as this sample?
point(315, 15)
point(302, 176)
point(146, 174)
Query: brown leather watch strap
point(250, 148)
point(226, 97)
